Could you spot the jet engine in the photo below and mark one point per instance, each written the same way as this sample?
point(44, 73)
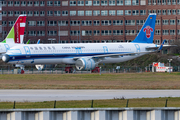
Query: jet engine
point(85, 64)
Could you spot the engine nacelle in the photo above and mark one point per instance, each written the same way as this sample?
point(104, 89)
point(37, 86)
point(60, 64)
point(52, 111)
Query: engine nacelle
point(85, 64)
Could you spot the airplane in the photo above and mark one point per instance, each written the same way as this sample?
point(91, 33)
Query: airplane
point(15, 35)
point(85, 56)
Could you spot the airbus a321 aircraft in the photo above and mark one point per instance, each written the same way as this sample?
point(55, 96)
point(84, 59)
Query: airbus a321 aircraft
point(85, 56)
point(15, 35)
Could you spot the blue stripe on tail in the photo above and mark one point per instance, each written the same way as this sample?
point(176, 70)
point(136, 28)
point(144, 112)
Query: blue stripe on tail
point(146, 34)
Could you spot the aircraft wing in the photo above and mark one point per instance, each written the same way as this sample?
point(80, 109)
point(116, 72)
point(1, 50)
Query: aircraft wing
point(112, 55)
point(164, 47)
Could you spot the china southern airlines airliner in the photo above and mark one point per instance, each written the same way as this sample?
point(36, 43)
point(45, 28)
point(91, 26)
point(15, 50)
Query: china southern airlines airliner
point(15, 35)
point(85, 56)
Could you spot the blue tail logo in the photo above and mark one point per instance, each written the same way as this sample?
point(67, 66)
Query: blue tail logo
point(146, 34)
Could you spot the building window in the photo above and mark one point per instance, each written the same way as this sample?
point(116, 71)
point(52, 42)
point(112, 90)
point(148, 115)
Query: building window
point(86, 32)
point(117, 32)
point(178, 32)
point(23, 3)
point(16, 13)
point(73, 13)
point(96, 32)
point(158, 22)
point(142, 12)
point(11, 23)
point(96, 12)
point(135, 2)
point(42, 3)
point(135, 12)
point(49, 3)
point(4, 23)
point(4, 3)
point(149, 2)
point(4, 13)
point(165, 22)
point(42, 13)
point(112, 3)
point(104, 12)
point(52, 33)
point(157, 42)
point(120, 2)
point(159, 12)
point(163, 2)
point(23, 12)
point(164, 12)
point(169, 2)
point(117, 22)
point(36, 13)
point(57, 13)
point(10, 13)
point(96, 3)
point(172, 32)
point(112, 12)
point(65, 13)
point(140, 22)
point(178, 2)
point(127, 2)
point(31, 23)
point(174, 11)
point(86, 22)
point(119, 12)
point(127, 12)
point(178, 11)
point(16, 3)
point(29, 3)
point(153, 11)
point(130, 32)
point(36, 3)
point(159, 2)
point(169, 11)
point(88, 3)
point(129, 22)
point(157, 32)
point(63, 23)
point(40, 23)
point(174, 2)
point(172, 22)
point(30, 13)
point(40, 33)
point(154, 2)
point(75, 32)
point(103, 2)
point(10, 3)
point(57, 3)
point(31, 33)
point(88, 12)
point(72, 3)
point(80, 3)
point(49, 13)
point(96, 23)
point(165, 32)
point(80, 13)
point(105, 22)
point(52, 23)
point(75, 22)
point(105, 32)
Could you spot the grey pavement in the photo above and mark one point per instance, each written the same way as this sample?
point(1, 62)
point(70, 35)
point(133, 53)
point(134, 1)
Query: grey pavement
point(51, 95)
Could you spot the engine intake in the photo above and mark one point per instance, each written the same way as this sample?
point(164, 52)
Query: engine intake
point(85, 64)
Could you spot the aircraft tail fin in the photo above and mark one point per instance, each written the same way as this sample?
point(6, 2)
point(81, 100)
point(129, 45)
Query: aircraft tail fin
point(16, 34)
point(146, 34)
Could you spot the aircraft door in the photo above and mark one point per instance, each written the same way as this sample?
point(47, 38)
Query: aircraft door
point(27, 50)
point(137, 48)
point(105, 49)
point(6, 47)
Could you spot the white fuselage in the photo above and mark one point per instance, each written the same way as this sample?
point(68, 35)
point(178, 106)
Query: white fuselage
point(64, 53)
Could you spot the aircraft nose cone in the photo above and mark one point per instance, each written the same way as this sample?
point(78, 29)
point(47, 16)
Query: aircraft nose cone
point(5, 58)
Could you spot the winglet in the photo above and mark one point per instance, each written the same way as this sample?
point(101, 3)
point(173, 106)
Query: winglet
point(160, 47)
point(38, 41)
point(28, 41)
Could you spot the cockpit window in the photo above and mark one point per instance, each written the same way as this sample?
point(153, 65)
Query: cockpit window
point(45, 48)
point(53, 47)
point(36, 48)
point(31, 48)
point(49, 48)
point(40, 48)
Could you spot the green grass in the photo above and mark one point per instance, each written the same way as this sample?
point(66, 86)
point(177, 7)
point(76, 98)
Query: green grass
point(91, 81)
point(143, 102)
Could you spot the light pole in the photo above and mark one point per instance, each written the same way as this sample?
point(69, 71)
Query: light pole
point(170, 65)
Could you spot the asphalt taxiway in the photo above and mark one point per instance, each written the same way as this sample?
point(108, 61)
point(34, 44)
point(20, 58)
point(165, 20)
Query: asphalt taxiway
point(51, 95)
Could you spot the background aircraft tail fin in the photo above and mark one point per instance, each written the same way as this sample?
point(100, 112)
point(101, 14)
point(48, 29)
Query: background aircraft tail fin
point(16, 34)
point(146, 34)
